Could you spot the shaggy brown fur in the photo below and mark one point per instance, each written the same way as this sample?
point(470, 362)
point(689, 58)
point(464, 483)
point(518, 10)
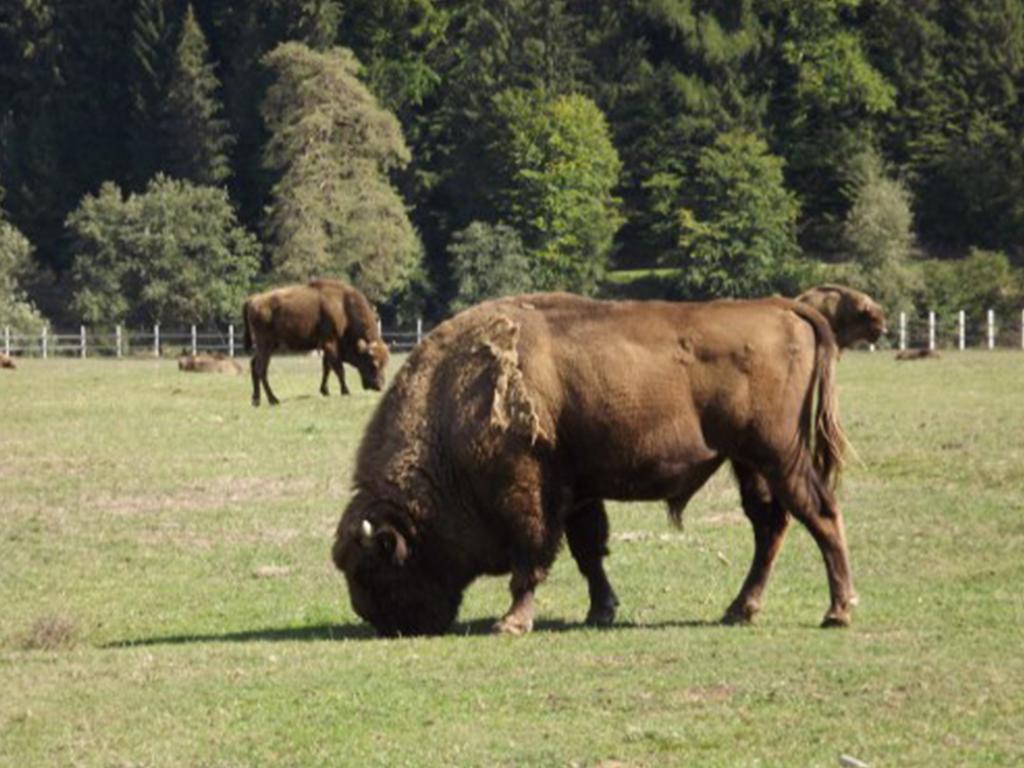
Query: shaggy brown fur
point(326, 314)
point(854, 316)
point(205, 363)
point(512, 421)
point(7, 362)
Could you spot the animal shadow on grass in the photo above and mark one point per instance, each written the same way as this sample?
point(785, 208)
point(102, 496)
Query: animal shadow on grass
point(328, 632)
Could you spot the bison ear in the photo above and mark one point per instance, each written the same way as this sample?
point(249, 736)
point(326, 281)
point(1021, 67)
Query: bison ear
point(362, 346)
point(391, 544)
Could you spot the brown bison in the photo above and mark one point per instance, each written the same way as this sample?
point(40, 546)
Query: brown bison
point(7, 362)
point(206, 363)
point(327, 315)
point(854, 316)
point(512, 421)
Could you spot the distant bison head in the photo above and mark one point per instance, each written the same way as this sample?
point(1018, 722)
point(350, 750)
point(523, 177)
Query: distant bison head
point(371, 360)
point(390, 585)
point(854, 316)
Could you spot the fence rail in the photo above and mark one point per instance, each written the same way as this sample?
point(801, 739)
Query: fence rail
point(925, 331)
point(118, 341)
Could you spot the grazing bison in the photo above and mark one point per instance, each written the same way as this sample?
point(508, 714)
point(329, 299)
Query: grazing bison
point(854, 316)
point(512, 421)
point(328, 315)
point(205, 363)
point(7, 362)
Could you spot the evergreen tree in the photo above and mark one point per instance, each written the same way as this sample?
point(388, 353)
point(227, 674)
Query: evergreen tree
point(488, 260)
point(148, 49)
point(334, 211)
point(196, 138)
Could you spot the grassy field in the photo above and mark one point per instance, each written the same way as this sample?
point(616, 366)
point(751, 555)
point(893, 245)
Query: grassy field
point(168, 599)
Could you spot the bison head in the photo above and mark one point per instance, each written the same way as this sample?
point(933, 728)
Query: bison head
point(371, 360)
point(389, 584)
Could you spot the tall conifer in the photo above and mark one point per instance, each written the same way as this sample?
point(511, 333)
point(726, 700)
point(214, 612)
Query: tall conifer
point(195, 134)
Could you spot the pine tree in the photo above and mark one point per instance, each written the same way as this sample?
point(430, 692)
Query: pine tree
point(195, 134)
point(333, 210)
point(147, 47)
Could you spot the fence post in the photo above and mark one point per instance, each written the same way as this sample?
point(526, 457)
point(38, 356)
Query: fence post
point(380, 328)
point(81, 343)
point(231, 340)
point(1022, 329)
point(931, 331)
point(903, 331)
point(117, 333)
point(962, 329)
point(44, 342)
point(194, 350)
point(156, 340)
point(7, 339)
point(991, 329)
point(419, 330)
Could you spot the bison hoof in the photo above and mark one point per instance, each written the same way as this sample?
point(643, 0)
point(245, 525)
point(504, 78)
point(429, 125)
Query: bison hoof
point(513, 625)
point(324, 392)
point(739, 615)
point(601, 617)
point(602, 614)
point(255, 403)
point(273, 401)
point(835, 620)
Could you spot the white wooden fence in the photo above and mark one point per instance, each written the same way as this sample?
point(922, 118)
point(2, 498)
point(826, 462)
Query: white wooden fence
point(154, 342)
point(929, 331)
point(960, 331)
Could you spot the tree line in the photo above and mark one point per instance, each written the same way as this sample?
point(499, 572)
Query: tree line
point(161, 158)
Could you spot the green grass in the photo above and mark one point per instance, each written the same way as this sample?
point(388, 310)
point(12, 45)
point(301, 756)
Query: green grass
point(168, 599)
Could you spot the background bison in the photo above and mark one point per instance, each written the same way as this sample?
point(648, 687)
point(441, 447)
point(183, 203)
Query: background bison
point(328, 315)
point(512, 421)
point(854, 316)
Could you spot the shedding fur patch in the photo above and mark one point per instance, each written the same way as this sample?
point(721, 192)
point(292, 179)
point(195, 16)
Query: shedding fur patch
point(512, 408)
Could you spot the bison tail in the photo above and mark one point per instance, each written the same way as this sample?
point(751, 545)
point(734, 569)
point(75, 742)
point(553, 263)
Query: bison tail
point(829, 438)
point(830, 441)
point(248, 332)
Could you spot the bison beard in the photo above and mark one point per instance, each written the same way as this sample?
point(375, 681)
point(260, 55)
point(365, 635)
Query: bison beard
point(512, 421)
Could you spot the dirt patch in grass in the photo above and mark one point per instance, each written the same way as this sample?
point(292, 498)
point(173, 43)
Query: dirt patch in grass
point(52, 632)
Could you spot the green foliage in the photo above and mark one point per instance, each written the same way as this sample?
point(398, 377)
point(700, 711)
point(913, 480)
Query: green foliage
point(488, 260)
point(334, 211)
point(878, 232)
point(558, 169)
point(16, 311)
point(173, 254)
point(196, 138)
point(984, 280)
point(735, 222)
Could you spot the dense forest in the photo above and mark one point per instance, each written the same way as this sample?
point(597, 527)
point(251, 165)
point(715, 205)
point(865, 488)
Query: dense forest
point(161, 158)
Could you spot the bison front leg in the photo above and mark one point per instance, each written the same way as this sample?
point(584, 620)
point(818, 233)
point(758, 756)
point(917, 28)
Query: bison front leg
point(587, 532)
point(770, 522)
point(518, 619)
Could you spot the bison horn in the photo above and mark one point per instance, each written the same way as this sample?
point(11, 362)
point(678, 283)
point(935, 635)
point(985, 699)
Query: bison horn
point(362, 346)
point(366, 531)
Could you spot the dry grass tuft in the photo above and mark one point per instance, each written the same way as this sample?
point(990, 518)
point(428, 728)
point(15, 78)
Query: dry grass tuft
point(51, 633)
